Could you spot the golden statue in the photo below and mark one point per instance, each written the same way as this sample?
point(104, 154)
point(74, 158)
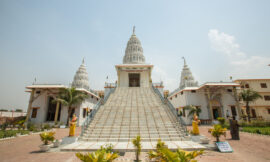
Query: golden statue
point(72, 125)
point(195, 123)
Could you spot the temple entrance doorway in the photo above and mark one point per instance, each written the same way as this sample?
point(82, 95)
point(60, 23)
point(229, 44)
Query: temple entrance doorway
point(216, 112)
point(52, 110)
point(134, 80)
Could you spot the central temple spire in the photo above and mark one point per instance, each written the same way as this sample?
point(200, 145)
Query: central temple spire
point(134, 51)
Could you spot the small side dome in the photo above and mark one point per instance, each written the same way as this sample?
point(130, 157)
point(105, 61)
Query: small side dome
point(134, 51)
point(81, 78)
point(187, 79)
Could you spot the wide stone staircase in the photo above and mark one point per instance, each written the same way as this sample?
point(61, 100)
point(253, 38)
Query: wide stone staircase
point(132, 111)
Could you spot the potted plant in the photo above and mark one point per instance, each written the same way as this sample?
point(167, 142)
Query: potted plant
point(217, 131)
point(56, 143)
point(46, 138)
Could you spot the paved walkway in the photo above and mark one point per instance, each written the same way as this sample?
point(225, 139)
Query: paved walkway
point(251, 148)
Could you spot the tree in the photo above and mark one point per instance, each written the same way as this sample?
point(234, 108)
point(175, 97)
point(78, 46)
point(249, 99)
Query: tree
point(248, 95)
point(193, 110)
point(70, 97)
point(137, 144)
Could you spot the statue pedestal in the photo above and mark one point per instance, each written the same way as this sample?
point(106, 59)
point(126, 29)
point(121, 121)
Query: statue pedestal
point(68, 140)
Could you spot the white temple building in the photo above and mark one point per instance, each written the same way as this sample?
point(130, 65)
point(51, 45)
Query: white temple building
point(41, 109)
point(216, 99)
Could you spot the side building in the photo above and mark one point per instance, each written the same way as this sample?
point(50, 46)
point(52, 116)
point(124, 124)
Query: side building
point(215, 99)
point(260, 109)
point(42, 109)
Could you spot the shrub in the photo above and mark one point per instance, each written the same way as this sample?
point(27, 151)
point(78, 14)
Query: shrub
point(47, 137)
point(217, 131)
point(47, 126)
point(104, 154)
point(162, 153)
point(221, 121)
point(255, 123)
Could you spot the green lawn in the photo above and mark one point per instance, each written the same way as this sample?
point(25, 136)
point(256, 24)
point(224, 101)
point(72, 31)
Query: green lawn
point(257, 130)
point(11, 133)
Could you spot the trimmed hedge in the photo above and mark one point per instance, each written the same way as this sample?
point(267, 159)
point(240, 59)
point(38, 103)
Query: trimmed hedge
point(11, 133)
point(257, 130)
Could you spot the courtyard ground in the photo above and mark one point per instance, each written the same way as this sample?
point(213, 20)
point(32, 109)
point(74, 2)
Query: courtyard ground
point(251, 148)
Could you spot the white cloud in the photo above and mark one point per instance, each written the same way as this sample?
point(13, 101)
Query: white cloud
point(241, 65)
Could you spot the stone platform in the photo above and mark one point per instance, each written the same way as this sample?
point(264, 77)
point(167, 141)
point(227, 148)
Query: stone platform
point(128, 146)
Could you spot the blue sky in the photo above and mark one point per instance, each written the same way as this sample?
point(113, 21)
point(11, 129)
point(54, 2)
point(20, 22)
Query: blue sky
point(48, 40)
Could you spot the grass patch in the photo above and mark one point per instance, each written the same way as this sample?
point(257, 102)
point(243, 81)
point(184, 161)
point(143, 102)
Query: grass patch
point(257, 130)
point(11, 133)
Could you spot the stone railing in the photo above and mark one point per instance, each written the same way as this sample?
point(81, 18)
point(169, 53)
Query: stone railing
point(173, 110)
point(110, 85)
point(158, 84)
point(90, 117)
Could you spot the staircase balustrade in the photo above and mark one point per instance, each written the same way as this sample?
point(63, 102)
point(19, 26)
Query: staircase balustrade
point(90, 117)
point(171, 107)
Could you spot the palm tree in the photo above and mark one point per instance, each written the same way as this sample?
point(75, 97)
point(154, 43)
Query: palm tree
point(70, 97)
point(248, 95)
point(137, 144)
point(193, 110)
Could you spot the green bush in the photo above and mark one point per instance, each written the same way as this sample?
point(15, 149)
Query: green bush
point(255, 123)
point(221, 121)
point(11, 133)
point(47, 126)
point(257, 130)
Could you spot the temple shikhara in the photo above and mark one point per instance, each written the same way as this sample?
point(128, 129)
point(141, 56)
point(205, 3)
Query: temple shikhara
point(135, 105)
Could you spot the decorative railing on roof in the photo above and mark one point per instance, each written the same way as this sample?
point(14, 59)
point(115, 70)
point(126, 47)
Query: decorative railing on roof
point(176, 90)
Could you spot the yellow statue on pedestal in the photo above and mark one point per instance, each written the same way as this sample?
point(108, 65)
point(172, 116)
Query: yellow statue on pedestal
point(72, 125)
point(195, 126)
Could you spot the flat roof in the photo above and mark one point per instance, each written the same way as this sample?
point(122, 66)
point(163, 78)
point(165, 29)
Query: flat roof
point(56, 86)
point(251, 79)
point(204, 85)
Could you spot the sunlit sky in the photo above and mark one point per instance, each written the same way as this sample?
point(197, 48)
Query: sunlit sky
point(47, 40)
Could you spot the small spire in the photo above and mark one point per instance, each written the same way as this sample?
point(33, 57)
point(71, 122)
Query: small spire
point(83, 61)
point(133, 30)
point(184, 61)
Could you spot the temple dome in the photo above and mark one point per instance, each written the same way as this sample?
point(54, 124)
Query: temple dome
point(187, 79)
point(134, 51)
point(81, 78)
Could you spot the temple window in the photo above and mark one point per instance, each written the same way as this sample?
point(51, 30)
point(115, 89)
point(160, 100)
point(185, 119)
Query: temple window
point(263, 85)
point(267, 98)
point(247, 85)
point(268, 110)
point(193, 91)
